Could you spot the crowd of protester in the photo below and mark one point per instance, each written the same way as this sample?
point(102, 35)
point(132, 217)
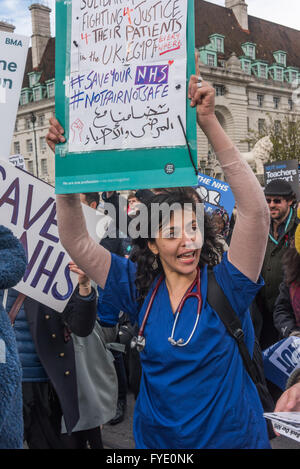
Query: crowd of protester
point(64, 375)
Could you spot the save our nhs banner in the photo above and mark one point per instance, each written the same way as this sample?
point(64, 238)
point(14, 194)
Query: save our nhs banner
point(122, 71)
point(215, 194)
point(13, 54)
point(281, 360)
point(27, 205)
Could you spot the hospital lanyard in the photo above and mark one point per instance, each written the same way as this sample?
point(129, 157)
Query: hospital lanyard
point(139, 342)
point(285, 228)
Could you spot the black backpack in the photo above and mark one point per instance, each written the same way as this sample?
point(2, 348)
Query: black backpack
point(254, 366)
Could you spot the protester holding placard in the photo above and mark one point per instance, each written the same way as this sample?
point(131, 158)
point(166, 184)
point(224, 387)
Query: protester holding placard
point(195, 392)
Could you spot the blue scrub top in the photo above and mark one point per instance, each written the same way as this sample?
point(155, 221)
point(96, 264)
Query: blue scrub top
point(198, 396)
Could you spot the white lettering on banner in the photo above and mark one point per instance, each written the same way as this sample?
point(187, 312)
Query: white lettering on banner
point(27, 205)
point(287, 356)
point(127, 82)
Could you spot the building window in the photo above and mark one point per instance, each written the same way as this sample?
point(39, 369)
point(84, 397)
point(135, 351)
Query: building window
point(219, 44)
point(43, 144)
point(276, 101)
point(220, 90)
point(41, 120)
point(249, 49)
point(23, 99)
point(210, 60)
point(27, 123)
point(44, 166)
point(263, 71)
point(29, 145)
point(280, 57)
point(16, 125)
point(30, 166)
point(34, 78)
point(278, 74)
point(51, 89)
point(294, 76)
point(37, 94)
point(247, 67)
point(291, 104)
point(277, 127)
point(17, 148)
point(261, 126)
point(260, 100)
point(251, 52)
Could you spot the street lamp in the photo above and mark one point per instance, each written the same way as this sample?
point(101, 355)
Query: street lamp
point(33, 120)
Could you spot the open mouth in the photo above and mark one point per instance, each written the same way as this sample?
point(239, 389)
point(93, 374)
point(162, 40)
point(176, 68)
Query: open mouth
point(188, 256)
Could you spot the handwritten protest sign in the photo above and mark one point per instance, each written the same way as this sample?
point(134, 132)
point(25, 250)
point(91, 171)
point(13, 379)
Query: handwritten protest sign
point(27, 207)
point(281, 360)
point(13, 53)
point(287, 170)
point(121, 94)
point(128, 74)
point(215, 194)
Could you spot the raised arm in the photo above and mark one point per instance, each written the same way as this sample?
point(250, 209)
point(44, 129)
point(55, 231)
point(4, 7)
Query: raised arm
point(250, 234)
point(92, 258)
point(89, 256)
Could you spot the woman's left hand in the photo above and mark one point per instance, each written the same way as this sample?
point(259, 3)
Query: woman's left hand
point(203, 97)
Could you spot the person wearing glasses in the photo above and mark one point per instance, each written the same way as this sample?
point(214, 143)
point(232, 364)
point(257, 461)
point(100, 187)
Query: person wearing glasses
point(283, 223)
point(281, 201)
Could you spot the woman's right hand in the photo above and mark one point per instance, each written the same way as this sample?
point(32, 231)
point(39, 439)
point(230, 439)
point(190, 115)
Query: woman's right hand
point(55, 134)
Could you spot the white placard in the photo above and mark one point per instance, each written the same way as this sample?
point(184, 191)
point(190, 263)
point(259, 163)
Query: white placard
point(13, 54)
point(28, 208)
point(127, 83)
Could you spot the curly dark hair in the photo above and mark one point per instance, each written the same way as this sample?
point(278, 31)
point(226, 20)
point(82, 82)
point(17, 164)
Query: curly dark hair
point(144, 257)
point(291, 265)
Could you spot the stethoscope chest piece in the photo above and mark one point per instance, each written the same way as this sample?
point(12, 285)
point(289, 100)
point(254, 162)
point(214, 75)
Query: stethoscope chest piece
point(138, 342)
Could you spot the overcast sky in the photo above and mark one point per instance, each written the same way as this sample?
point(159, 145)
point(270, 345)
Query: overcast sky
point(286, 12)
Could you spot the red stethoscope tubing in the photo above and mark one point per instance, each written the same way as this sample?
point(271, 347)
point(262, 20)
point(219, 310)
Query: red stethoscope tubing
point(189, 293)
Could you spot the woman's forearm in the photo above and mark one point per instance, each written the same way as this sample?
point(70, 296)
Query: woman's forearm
point(249, 238)
point(92, 258)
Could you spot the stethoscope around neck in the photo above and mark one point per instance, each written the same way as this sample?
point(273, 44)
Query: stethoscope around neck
point(139, 342)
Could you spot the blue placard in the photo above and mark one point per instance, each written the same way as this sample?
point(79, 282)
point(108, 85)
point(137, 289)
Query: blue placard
point(281, 360)
point(215, 194)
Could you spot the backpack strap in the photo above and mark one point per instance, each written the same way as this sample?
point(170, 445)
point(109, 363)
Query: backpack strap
point(219, 302)
point(16, 307)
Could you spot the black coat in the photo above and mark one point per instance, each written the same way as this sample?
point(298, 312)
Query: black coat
point(283, 315)
point(55, 349)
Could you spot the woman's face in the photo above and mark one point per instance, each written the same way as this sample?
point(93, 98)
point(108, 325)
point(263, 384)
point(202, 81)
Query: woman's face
point(179, 243)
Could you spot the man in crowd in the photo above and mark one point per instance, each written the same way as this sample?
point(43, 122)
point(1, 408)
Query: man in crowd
point(283, 223)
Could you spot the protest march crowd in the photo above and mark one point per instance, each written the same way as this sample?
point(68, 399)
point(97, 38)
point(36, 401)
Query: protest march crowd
point(150, 315)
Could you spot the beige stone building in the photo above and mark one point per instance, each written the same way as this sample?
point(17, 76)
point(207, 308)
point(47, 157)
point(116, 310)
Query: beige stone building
point(253, 64)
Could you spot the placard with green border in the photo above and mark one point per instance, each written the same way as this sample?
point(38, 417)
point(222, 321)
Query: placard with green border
point(124, 169)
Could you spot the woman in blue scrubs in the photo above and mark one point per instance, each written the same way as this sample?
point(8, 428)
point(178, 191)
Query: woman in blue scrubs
point(195, 391)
